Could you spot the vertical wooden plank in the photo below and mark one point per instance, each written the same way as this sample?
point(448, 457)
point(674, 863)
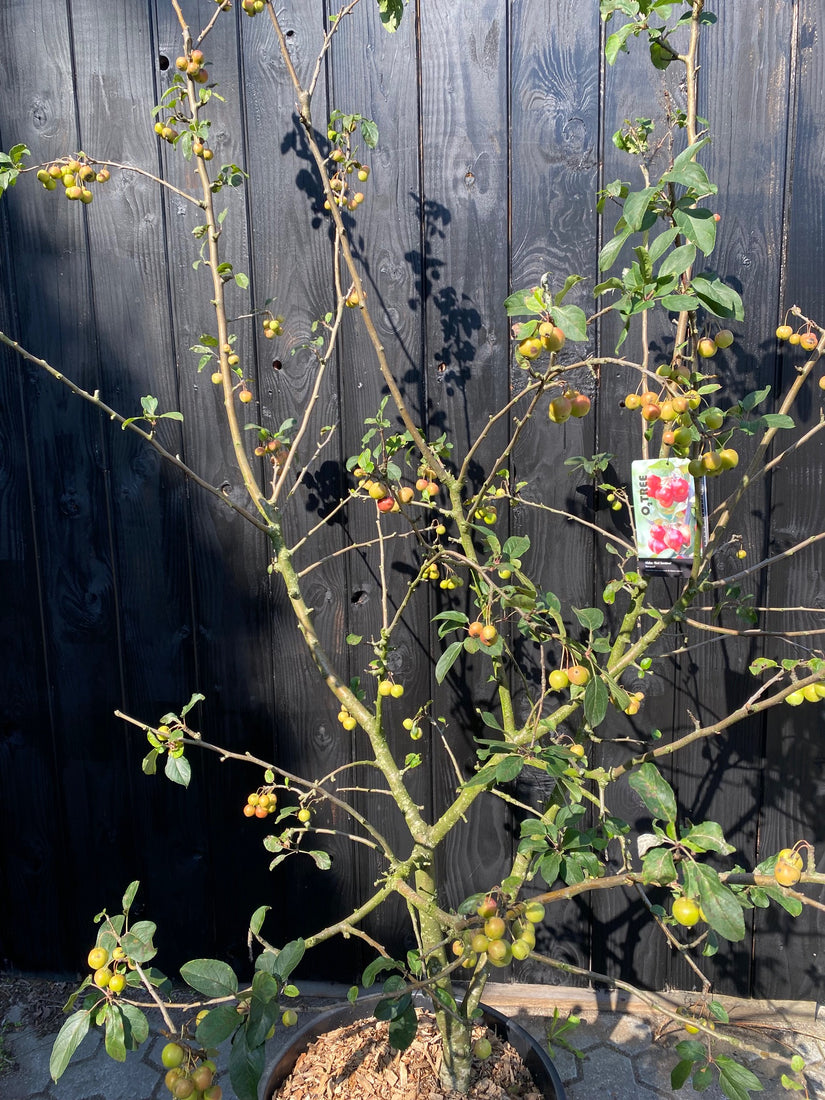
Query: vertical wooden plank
point(788, 954)
point(385, 236)
point(50, 283)
point(624, 943)
point(292, 264)
point(748, 254)
point(554, 177)
point(464, 82)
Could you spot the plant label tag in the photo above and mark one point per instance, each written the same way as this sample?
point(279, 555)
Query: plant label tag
point(664, 511)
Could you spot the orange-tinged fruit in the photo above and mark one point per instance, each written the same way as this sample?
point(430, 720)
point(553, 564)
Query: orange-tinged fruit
point(578, 675)
point(561, 408)
point(786, 874)
point(494, 928)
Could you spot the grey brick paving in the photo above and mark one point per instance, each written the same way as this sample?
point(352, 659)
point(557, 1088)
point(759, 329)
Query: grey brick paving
point(622, 1061)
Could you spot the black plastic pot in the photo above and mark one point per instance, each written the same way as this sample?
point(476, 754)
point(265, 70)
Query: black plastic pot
point(535, 1057)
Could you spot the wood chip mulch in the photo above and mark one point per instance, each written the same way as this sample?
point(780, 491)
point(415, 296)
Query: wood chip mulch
point(358, 1063)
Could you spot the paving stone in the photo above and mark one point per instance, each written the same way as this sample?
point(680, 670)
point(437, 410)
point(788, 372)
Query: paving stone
point(608, 1074)
point(630, 1033)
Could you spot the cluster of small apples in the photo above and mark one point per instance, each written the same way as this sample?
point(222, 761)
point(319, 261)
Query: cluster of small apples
point(634, 702)
point(109, 971)
point(384, 498)
point(708, 346)
point(272, 448)
point(346, 719)
point(673, 409)
point(245, 394)
point(570, 403)
point(188, 1078)
point(253, 7)
point(533, 338)
point(491, 939)
point(807, 340)
point(812, 693)
point(390, 687)
point(431, 573)
point(487, 513)
point(713, 463)
point(561, 678)
point(788, 869)
point(486, 633)
point(75, 175)
point(192, 66)
point(261, 803)
point(450, 582)
point(413, 728)
point(345, 167)
point(273, 326)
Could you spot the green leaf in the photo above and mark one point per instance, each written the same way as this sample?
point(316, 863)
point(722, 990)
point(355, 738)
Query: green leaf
point(777, 420)
point(573, 320)
point(702, 1079)
point(375, 968)
point(679, 1074)
point(596, 699)
point(369, 132)
point(735, 1080)
point(691, 1050)
point(136, 1026)
point(245, 1067)
point(591, 618)
point(242, 280)
point(114, 1041)
point(137, 942)
point(447, 660)
point(211, 977)
point(69, 1038)
point(719, 904)
point(196, 697)
point(288, 958)
point(635, 207)
point(617, 43)
point(257, 919)
point(655, 792)
point(402, 1029)
point(322, 860)
point(178, 769)
point(707, 837)
point(149, 764)
point(789, 904)
point(610, 252)
point(716, 296)
point(509, 769)
point(658, 867)
point(516, 546)
point(390, 12)
point(662, 243)
point(569, 283)
point(678, 261)
point(129, 896)
point(217, 1025)
point(698, 225)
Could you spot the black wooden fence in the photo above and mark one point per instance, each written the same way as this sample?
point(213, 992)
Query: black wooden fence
point(124, 586)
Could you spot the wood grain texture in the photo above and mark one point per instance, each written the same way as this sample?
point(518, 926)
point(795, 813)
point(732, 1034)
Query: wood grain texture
point(788, 951)
point(494, 135)
point(553, 177)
